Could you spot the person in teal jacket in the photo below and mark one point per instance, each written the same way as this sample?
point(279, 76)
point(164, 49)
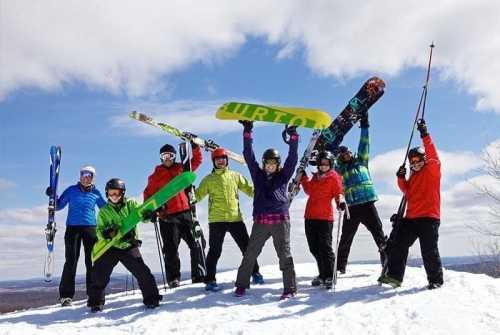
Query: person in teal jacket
point(222, 187)
point(126, 251)
point(360, 196)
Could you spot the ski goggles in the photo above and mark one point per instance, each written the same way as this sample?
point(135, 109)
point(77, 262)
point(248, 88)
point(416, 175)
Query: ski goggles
point(86, 174)
point(416, 163)
point(167, 156)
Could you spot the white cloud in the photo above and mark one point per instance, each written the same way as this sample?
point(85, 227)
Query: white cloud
point(6, 184)
point(127, 46)
point(23, 215)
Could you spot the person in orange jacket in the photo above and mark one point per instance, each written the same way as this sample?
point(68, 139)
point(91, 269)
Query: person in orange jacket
point(324, 186)
point(175, 218)
point(422, 219)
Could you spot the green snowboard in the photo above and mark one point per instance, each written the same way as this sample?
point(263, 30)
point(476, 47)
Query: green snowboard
point(295, 116)
point(167, 192)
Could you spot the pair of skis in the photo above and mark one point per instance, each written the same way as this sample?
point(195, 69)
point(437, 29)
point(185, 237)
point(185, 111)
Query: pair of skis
point(50, 229)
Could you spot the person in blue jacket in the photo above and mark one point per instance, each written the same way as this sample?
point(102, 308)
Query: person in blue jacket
point(80, 227)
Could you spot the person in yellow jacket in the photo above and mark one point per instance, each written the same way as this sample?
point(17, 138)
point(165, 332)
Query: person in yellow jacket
point(224, 215)
point(127, 252)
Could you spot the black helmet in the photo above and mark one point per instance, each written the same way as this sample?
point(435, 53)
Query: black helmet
point(271, 154)
point(343, 149)
point(115, 184)
point(325, 155)
point(417, 151)
point(167, 148)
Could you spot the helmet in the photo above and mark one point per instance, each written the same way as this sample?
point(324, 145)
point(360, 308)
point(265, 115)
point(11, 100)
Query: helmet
point(325, 155)
point(115, 184)
point(167, 148)
point(417, 151)
point(219, 152)
point(343, 149)
point(271, 154)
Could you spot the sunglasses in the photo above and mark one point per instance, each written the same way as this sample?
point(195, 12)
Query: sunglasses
point(167, 155)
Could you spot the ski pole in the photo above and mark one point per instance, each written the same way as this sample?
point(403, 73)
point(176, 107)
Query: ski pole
point(160, 252)
point(339, 226)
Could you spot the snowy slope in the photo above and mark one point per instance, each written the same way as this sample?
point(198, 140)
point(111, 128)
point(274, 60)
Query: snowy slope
point(467, 304)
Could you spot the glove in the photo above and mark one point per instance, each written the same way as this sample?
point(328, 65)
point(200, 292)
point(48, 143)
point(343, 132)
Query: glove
point(342, 205)
point(401, 172)
point(247, 125)
point(48, 191)
point(422, 128)
point(148, 215)
point(363, 123)
point(302, 171)
point(110, 232)
point(291, 130)
point(130, 236)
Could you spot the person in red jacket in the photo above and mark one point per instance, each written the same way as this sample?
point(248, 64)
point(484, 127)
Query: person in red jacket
point(175, 218)
point(324, 186)
point(422, 219)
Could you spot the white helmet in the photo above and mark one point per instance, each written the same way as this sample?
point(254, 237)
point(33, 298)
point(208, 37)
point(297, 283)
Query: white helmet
point(88, 169)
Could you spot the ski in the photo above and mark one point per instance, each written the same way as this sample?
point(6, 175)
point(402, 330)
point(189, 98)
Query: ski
point(185, 155)
point(209, 145)
point(50, 229)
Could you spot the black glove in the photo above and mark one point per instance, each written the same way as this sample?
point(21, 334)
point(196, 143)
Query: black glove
point(363, 123)
point(247, 125)
point(401, 172)
point(48, 191)
point(110, 232)
point(422, 128)
point(342, 206)
point(148, 215)
point(302, 171)
point(130, 236)
point(291, 130)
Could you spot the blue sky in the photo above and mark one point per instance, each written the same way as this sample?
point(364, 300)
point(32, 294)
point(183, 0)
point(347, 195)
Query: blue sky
point(82, 105)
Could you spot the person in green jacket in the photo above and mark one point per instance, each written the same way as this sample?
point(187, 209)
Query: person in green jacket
point(126, 251)
point(360, 196)
point(224, 215)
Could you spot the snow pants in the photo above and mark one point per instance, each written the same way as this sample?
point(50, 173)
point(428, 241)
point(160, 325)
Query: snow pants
point(132, 260)
point(367, 215)
point(217, 232)
point(405, 234)
point(280, 232)
point(174, 228)
point(319, 239)
point(73, 239)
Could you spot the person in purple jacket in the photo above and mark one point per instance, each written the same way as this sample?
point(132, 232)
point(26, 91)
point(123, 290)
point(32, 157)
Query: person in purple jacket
point(270, 210)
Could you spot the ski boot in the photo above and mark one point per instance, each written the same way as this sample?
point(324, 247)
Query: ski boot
point(96, 308)
point(174, 283)
point(385, 279)
point(65, 302)
point(239, 292)
point(317, 281)
point(328, 283)
point(433, 286)
point(287, 294)
point(257, 278)
point(212, 286)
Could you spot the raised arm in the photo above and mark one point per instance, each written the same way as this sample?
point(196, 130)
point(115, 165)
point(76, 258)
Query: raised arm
point(293, 157)
point(364, 147)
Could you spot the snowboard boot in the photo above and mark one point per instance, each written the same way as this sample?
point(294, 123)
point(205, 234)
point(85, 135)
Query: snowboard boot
point(288, 293)
point(212, 286)
point(174, 283)
point(385, 279)
point(328, 283)
point(257, 278)
point(433, 286)
point(96, 308)
point(239, 292)
point(65, 302)
point(317, 281)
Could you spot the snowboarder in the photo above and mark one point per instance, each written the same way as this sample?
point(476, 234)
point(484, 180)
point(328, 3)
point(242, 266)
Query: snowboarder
point(270, 209)
point(125, 251)
point(175, 217)
point(80, 227)
point(422, 218)
point(224, 215)
point(360, 197)
point(324, 186)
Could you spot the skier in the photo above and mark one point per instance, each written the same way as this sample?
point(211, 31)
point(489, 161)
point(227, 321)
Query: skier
point(270, 210)
point(80, 227)
point(324, 186)
point(224, 214)
point(175, 216)
point(422, 219)
point(360, 196)
point(126, 251)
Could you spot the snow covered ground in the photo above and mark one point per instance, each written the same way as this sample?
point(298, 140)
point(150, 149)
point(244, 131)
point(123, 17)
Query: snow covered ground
point(466, 304)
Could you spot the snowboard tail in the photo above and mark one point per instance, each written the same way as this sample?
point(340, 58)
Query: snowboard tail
point(302, 117)
point(168, 191)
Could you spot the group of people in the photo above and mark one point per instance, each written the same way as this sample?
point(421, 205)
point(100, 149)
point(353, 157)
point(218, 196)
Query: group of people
point(343, 179)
